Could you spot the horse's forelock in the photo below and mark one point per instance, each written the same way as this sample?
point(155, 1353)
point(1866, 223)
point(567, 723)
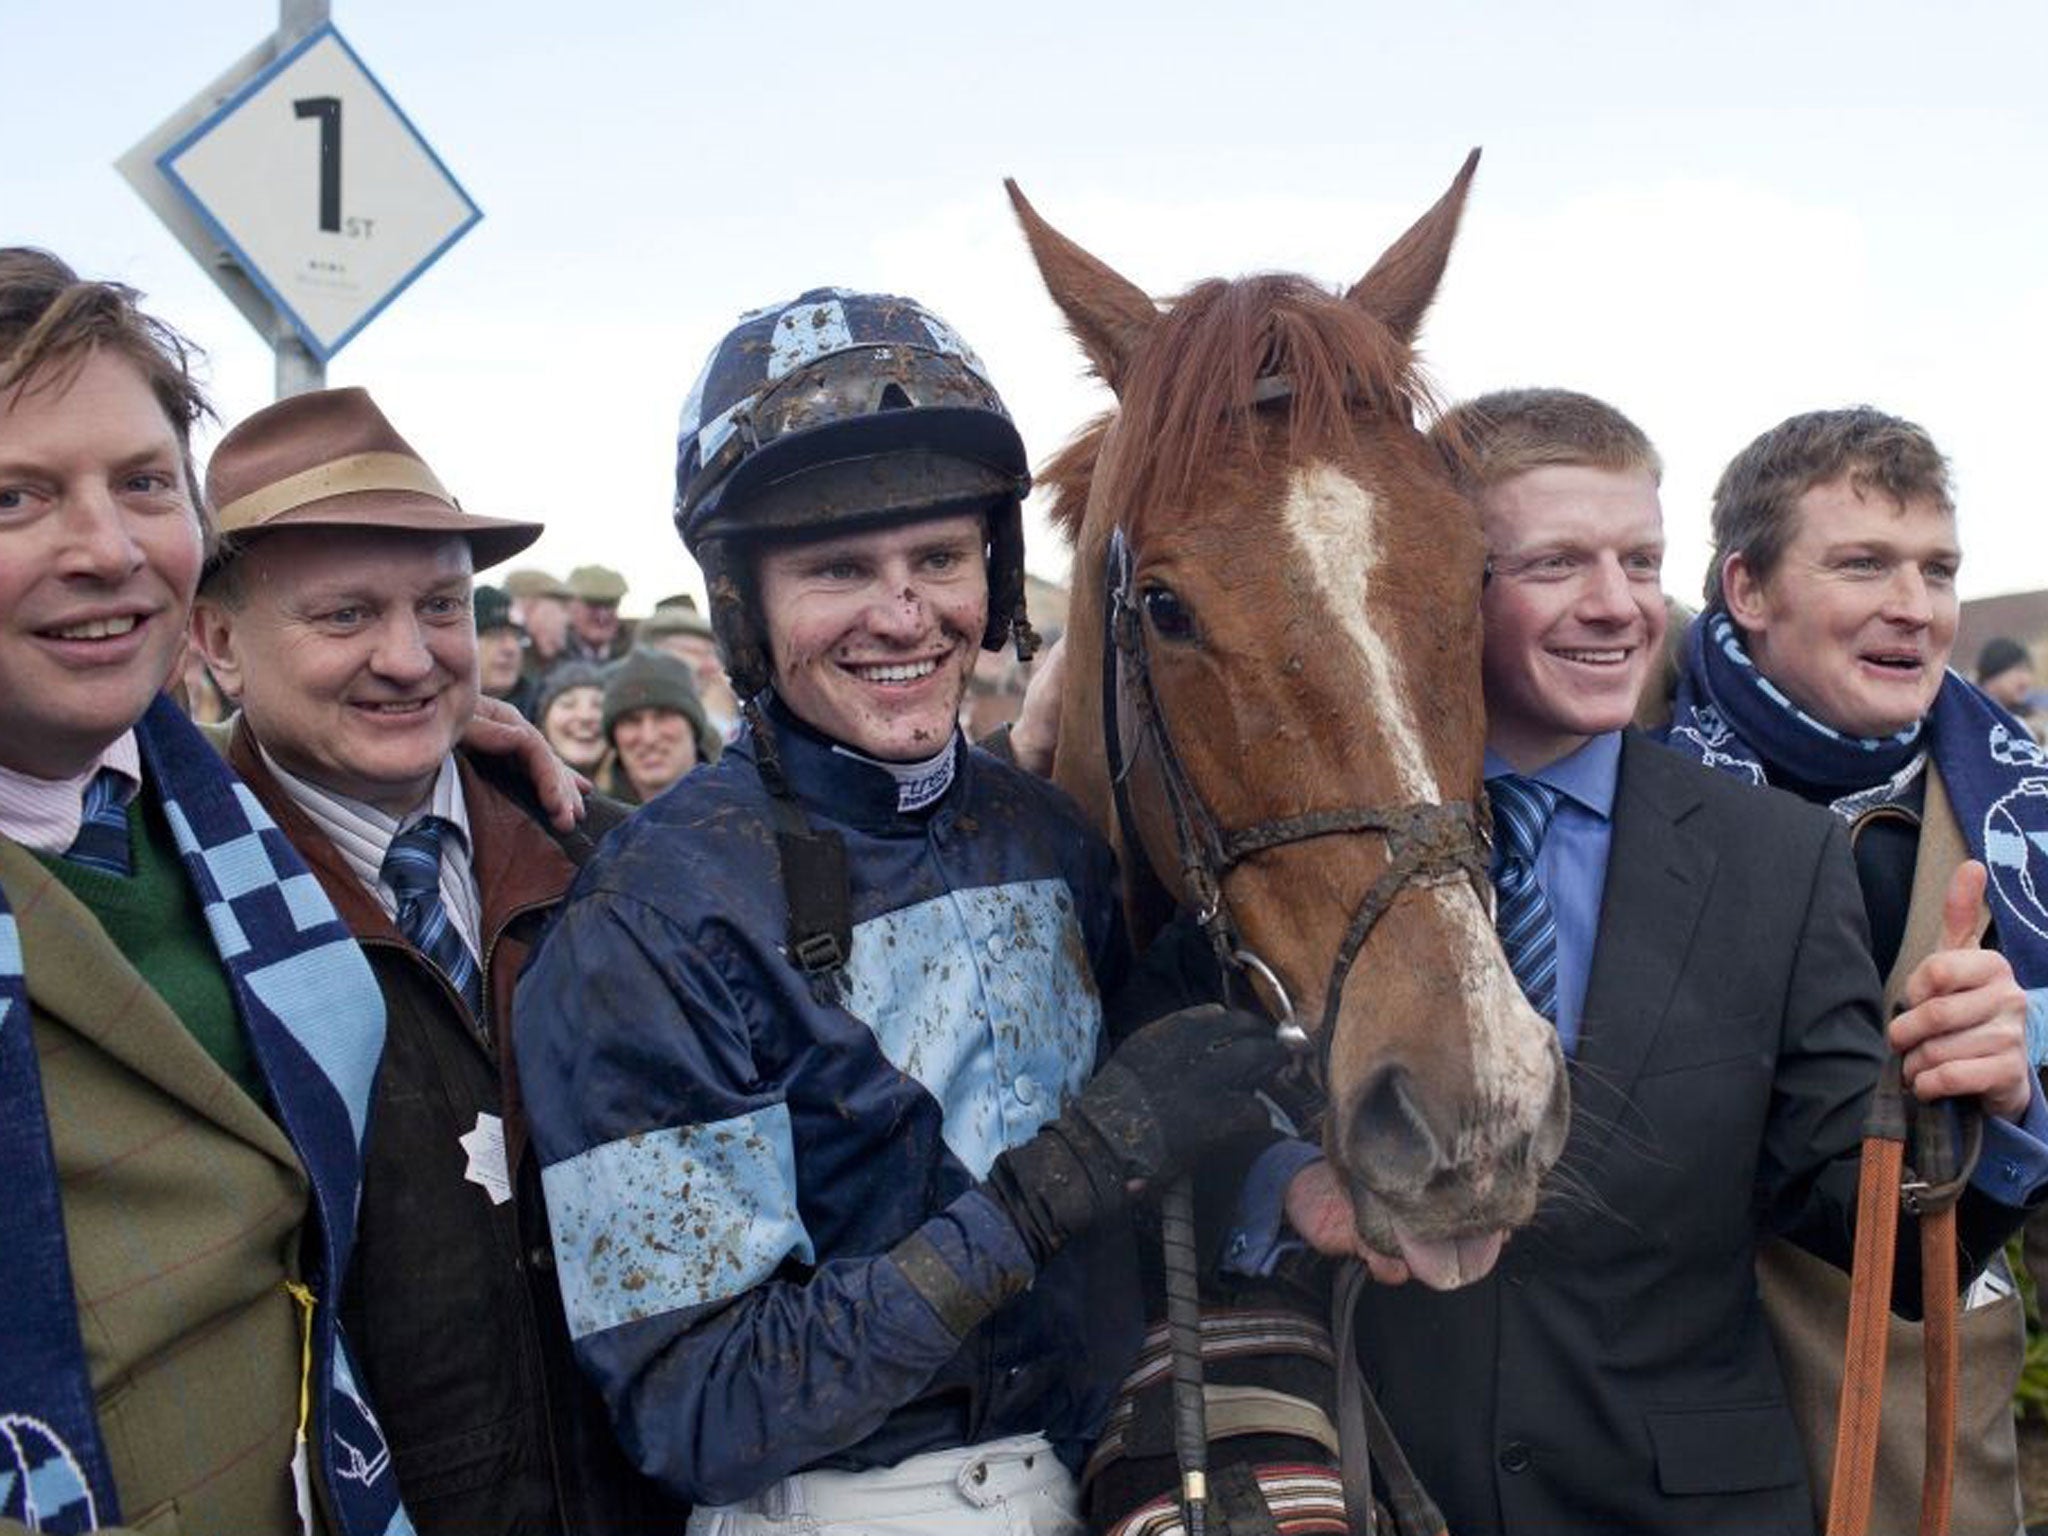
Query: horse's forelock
point(1068, 474)
point(1191, 397)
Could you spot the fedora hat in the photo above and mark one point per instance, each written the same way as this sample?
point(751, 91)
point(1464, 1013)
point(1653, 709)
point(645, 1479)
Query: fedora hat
point(328, 458)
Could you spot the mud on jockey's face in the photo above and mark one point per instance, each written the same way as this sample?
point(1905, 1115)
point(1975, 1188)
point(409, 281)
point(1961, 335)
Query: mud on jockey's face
point(874, 634)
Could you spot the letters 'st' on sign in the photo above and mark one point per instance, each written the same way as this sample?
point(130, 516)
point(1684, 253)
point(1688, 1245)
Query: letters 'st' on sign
point(321, 189)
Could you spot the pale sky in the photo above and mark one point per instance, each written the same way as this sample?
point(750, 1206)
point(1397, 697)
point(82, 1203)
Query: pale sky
point(1711, 216)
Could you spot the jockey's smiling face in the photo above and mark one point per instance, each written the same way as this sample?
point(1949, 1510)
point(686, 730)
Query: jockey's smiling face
point(1858, 618)
point(1574, 610)
point(874, 634)
point(99, 554)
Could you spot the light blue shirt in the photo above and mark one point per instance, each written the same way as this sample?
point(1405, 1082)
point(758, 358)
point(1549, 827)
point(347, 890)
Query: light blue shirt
point(1571, 866)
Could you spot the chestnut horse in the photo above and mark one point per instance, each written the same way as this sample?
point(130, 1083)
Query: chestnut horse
point(1293, 587)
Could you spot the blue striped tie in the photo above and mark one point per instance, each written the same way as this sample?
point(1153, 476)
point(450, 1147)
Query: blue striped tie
point(412, 868)
point(102, 841)
point(1522, 809)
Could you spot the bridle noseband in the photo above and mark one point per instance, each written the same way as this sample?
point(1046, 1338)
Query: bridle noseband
point(1427, 843)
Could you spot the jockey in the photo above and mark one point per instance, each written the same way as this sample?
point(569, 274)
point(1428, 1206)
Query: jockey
point(838, 1197)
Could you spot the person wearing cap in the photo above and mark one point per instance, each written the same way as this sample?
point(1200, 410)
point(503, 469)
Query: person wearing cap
point(501, 651)
point(187, 1032)
point(677, 627)
point(569, 709)
point(540, 606)
point(595, 633)
point(337, 614)
point(654, 724)
point(2005, 675)
point(839, 1197)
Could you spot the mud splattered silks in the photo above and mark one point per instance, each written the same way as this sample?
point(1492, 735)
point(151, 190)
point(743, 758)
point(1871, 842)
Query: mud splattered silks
point(728, 1161)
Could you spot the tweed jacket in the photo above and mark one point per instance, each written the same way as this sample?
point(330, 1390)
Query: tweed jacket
point(1807, 1303)
point(183, 1205)
point(451, 1301)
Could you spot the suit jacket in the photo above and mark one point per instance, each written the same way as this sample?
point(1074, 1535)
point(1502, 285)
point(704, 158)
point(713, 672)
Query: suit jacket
point(183, 1204)
point(1614, 1373)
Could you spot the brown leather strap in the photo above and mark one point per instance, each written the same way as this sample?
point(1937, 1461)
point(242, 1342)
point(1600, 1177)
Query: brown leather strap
point(1938, 1307)
point(1942, 1167)
point(1877, 1225)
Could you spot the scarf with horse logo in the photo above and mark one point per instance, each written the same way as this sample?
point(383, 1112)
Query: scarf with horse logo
point(1730, 716)
point(315, 1026)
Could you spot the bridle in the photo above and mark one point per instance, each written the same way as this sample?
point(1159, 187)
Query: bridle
point(1428, 842)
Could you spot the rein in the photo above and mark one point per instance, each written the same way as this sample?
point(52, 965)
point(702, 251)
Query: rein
point(1427, 843)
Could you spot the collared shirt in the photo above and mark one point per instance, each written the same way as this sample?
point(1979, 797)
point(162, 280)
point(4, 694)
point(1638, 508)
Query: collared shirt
point(43, 815)
point(1571, 866)
point(362, 834)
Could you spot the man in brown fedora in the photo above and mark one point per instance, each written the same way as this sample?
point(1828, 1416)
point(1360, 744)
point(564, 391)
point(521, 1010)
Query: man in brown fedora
point(337, 614)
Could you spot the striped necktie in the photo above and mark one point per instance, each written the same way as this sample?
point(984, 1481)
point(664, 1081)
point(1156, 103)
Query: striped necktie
point(1522, 809)
point(412, 868)
point(102, 841)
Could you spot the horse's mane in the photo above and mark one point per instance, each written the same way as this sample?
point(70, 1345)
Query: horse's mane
point(1191, 393)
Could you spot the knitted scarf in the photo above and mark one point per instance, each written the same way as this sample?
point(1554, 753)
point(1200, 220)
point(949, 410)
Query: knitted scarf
point(315, 1024)
point(1729, 716)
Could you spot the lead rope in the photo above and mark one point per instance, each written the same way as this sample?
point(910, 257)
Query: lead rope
point(1941, 1169)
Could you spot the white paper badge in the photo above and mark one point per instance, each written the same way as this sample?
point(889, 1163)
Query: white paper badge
point(486, 1148)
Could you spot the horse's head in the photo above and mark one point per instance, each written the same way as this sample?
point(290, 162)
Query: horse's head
point(1292, 587)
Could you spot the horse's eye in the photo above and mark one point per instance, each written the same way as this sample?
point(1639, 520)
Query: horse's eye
point(1170, 617)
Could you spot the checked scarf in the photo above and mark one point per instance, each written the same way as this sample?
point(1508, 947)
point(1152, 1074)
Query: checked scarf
point(315, 1025)
point(1729, 716)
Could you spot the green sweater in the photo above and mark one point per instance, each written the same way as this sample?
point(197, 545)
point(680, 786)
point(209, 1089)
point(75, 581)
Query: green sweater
point(153, 920)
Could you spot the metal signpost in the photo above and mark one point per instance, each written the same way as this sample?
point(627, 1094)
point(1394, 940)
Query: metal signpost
point(302, 189)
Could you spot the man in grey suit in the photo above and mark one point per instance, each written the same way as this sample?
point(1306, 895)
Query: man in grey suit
point(1702, 949)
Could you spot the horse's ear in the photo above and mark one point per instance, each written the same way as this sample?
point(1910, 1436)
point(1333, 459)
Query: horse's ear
point(1401, 283)
point(1109, 313)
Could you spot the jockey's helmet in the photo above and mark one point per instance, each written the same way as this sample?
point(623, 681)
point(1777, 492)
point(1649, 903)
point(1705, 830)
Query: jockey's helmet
point(840, 411)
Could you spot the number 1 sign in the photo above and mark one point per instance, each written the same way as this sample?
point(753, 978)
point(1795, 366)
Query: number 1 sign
point(320, 189)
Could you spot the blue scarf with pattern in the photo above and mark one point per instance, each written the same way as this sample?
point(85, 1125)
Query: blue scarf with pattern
point(1729, 716)
point(315, 1025)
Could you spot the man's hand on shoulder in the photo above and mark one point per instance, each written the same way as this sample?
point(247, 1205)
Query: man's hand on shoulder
point(1035, 734)
point(499, 730)
point(1964, 1028)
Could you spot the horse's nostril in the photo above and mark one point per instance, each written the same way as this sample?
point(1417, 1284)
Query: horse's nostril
point(1391, 1141)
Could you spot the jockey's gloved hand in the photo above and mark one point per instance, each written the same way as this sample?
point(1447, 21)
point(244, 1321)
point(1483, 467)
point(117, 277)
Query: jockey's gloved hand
point(1179, 1085)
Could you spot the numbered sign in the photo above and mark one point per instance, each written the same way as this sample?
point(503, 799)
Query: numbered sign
point(321, 189)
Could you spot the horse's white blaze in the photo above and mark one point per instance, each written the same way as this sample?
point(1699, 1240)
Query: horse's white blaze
point(1514, 1057)
point(1333, 522)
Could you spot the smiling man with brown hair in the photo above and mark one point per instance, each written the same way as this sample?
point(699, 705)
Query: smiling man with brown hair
point(187, 1032)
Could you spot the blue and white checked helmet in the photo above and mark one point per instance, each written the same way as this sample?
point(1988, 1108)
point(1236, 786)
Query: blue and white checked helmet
point(842, 410)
